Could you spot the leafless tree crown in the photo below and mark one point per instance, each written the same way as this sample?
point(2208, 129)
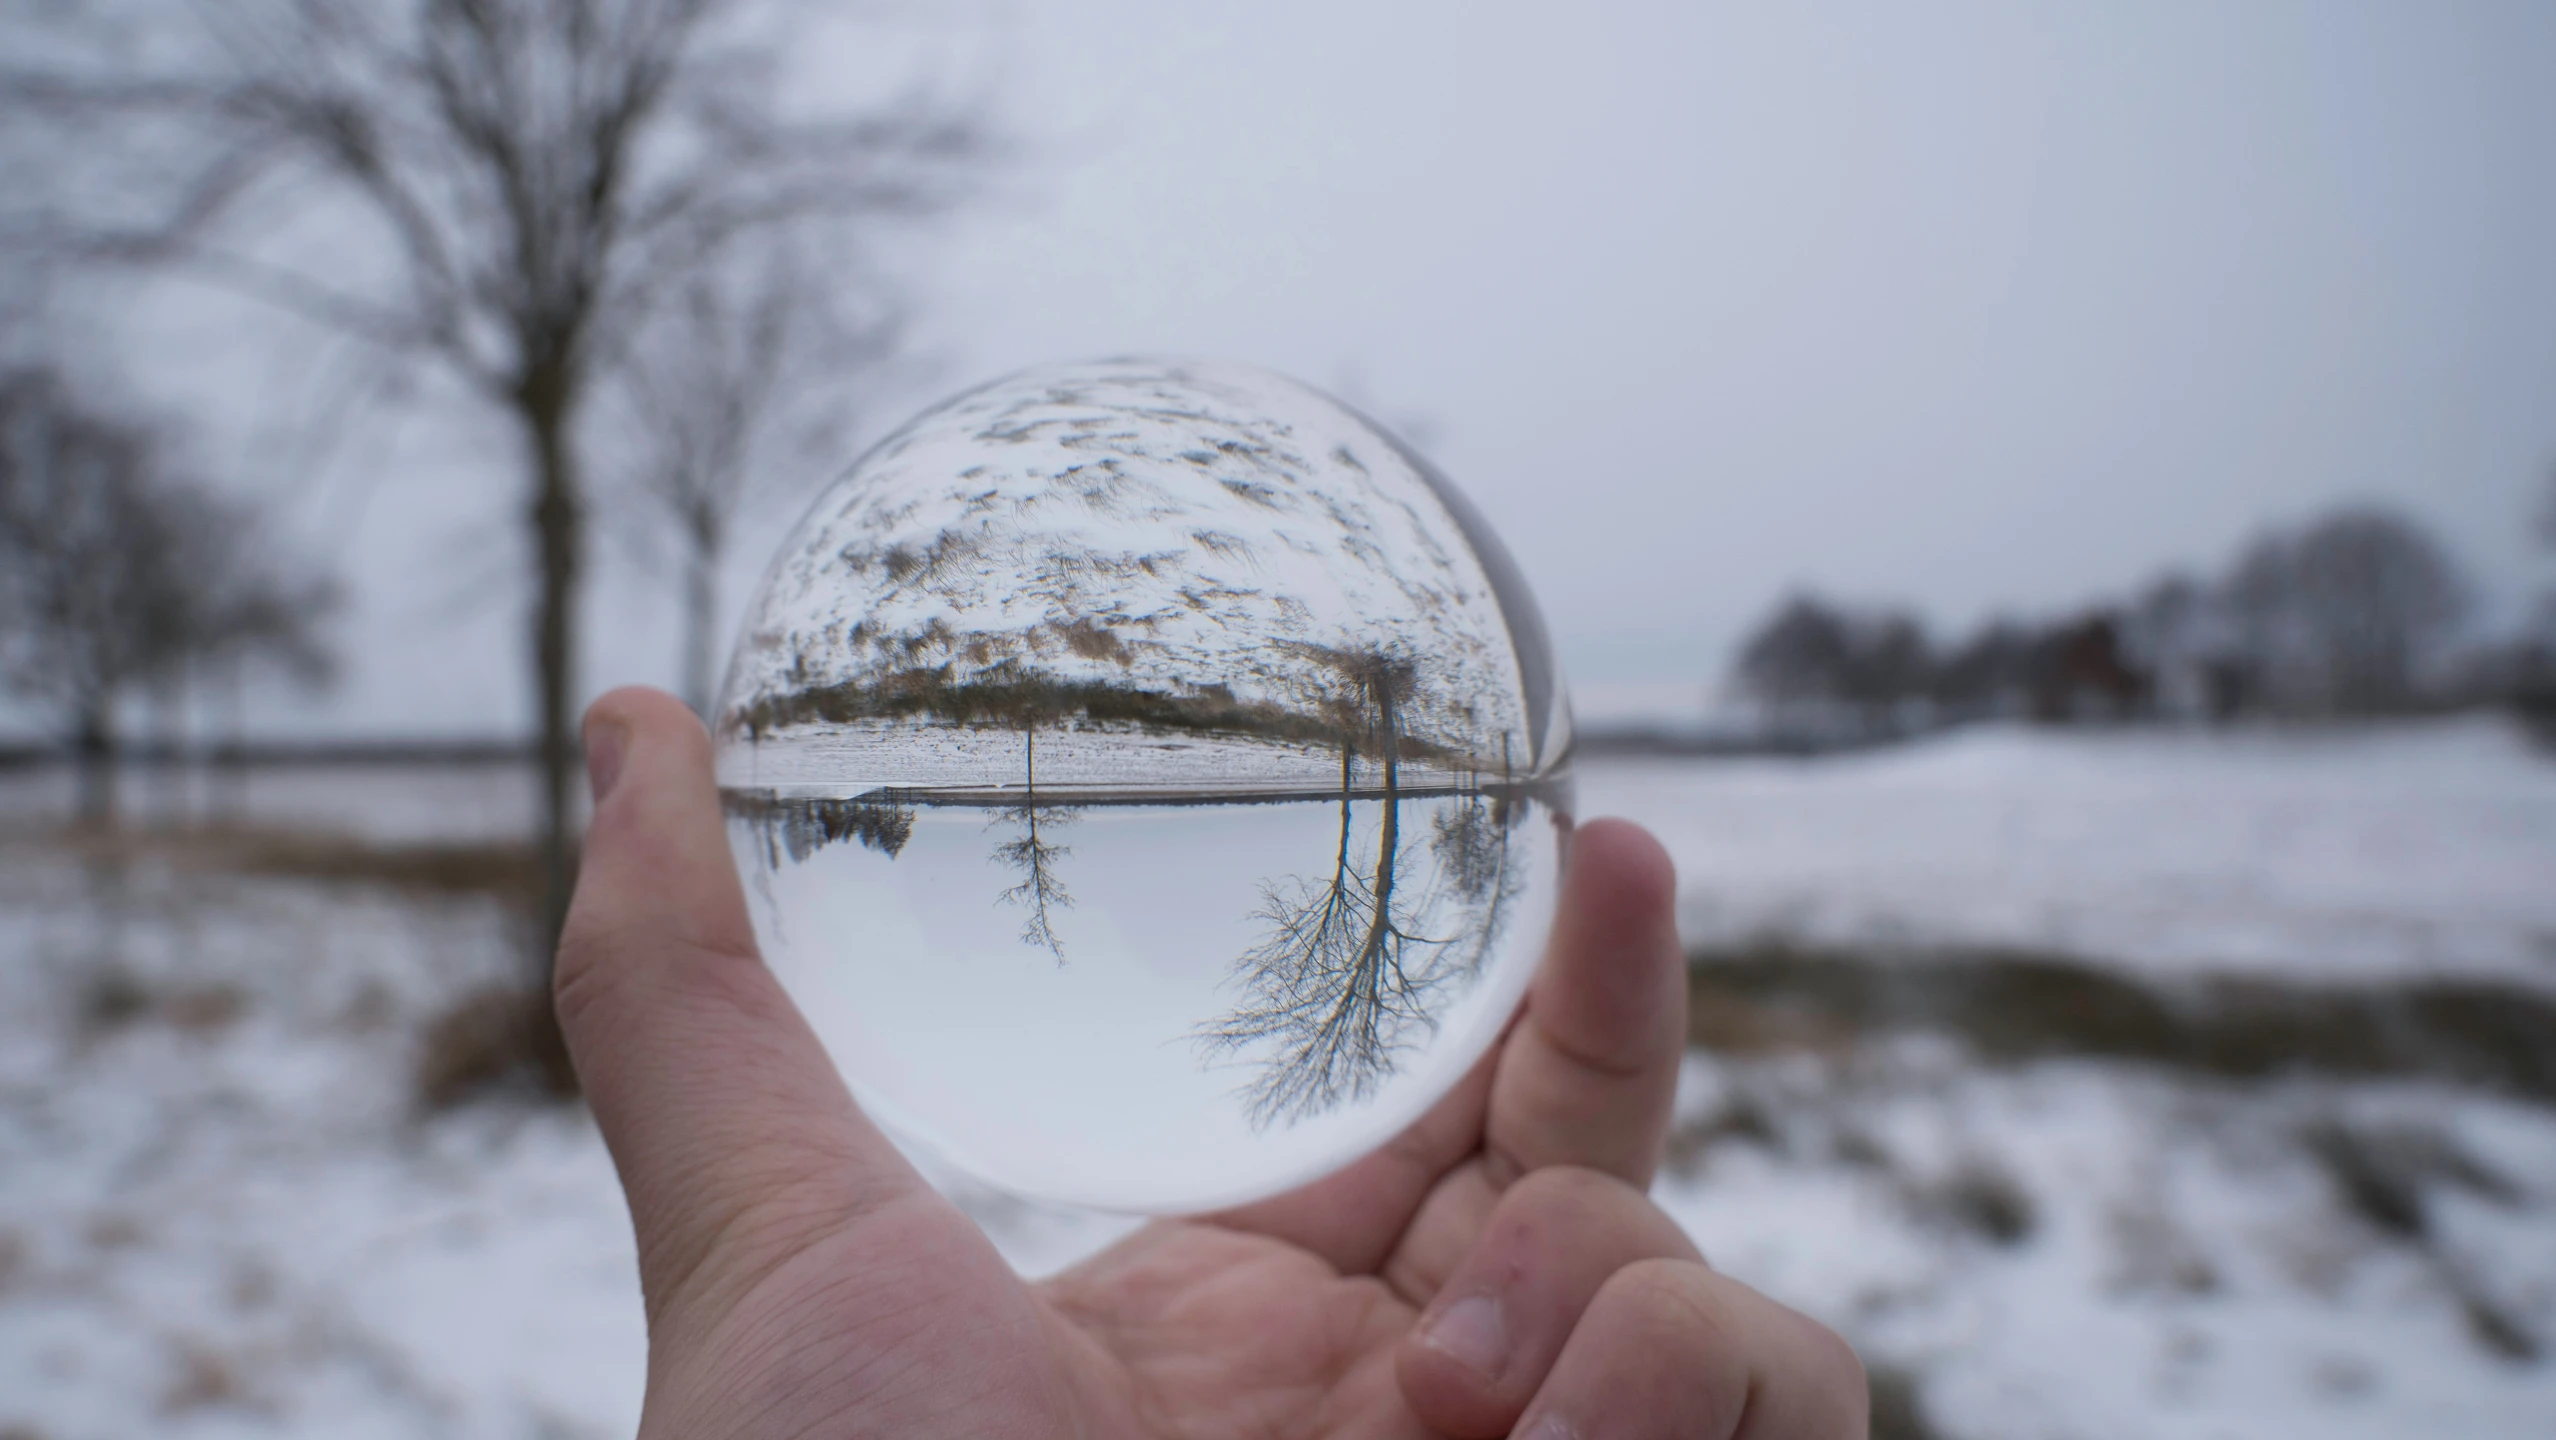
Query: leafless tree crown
point(542, 172)
point(532, 178)
point(117, 572)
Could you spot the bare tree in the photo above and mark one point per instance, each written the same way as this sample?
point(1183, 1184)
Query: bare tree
point(797, 827)
point(532, 176)
point(2343, 616)
point(117, 573)
point(1831, 661)
point(1327, 980)
point(1347, 971)
point(1042, 891)
point(84, 555)
point(1989, 673)
point(2545, 620)
point(732, 392)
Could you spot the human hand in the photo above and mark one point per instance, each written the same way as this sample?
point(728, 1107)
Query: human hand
point(1497, 1269)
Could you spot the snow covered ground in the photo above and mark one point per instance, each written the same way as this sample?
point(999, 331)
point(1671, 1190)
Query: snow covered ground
point(220, 1213)
point(470, 801)
point(2085, 1250)
point(2373, 852)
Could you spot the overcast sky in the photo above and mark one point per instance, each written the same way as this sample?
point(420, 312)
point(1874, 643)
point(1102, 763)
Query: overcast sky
point(1974, 306)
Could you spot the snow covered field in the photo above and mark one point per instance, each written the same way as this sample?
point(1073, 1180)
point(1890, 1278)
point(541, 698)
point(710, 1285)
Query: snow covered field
point(2354, 852)
point(221, 1214)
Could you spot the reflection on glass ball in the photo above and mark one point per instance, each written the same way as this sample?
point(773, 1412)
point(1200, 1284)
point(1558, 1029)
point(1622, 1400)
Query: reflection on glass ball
point(1148, 778)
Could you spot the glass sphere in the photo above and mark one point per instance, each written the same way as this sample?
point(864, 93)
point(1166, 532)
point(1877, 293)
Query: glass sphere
point(1149, 779)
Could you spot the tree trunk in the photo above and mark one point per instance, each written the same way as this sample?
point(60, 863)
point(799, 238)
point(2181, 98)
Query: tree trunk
point(701, 619)
point(558, 525)
point(1389, 834)
point(96, 746)
point(229, 799)
point(175, 762)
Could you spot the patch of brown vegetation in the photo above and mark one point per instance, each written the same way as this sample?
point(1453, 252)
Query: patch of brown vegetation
point(1899, 1410)
point(1094, 641)
point(113, 1231)
point(203, 1008)
point(2387, 1176)
point(112, 998)
point(205, 1378)
point(1980, 1198)
point(1741, 1116)
point(494, 1039)
point(1026, 698)
point(507, 870)
point(2153, 1254)
point(115, 998)
point(2010, 1006)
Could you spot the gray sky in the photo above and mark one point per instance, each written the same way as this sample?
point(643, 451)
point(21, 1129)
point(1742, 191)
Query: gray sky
point(1970, 305)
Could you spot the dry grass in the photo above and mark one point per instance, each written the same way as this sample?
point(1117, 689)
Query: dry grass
point(1980, 1198)
point(115, 998)
point(2387, 1176)
point(113, 1230)
point(509, 871)
point(205, 1378)
point(2009, 1006)
point(1742, 1116)
point(1762, 1004)
point(497, 1039)
point(2156, 1255)
point(1899, 1410)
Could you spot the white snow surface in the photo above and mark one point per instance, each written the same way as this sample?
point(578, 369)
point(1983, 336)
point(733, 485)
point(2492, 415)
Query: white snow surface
point(2354, 853)
point(2187, 1268)
point(220, 1214)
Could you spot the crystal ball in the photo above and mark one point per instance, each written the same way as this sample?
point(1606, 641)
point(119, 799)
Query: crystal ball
point(1149, 780)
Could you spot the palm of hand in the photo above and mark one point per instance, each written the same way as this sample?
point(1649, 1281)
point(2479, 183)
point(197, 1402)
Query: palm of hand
point(1189, 1328)
point(1497, 1268)
point(1215, 1332)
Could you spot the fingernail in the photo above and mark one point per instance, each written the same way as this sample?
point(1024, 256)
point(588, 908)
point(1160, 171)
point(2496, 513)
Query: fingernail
point(606, 744)
point(1550, 1427)
point(1473, 1333)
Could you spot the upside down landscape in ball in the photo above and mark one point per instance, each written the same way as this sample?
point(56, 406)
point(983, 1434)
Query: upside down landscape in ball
point(1149, 778)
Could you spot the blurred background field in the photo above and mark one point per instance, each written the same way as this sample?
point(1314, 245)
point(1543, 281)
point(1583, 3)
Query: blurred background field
point(2049, 517)
point(2124, 1082)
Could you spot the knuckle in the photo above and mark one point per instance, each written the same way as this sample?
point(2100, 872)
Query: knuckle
point(1567, 1189)
point(1660, 1318)
point(1662, 1294)
point(1593, 1207)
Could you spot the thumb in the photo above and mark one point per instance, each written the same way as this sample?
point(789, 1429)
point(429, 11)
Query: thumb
point(733, 1133)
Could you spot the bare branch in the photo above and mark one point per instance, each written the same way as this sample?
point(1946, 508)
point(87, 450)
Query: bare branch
point(116, 572)
point(547, 175)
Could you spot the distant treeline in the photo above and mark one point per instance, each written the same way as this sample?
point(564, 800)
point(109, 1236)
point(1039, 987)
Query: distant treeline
point(2359, 612)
